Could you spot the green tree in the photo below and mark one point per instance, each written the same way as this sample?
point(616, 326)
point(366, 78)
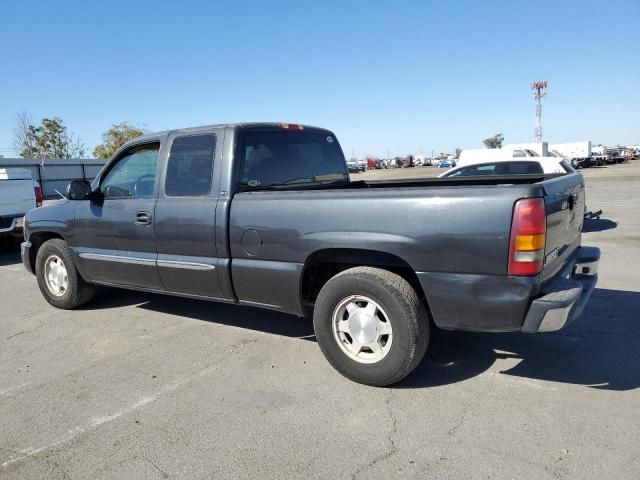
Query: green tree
point(50, 139)
point(114, 138)
point(458, 152)
point(494, 142)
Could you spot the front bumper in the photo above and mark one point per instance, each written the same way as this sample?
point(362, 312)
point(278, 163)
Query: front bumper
point(565, 295)
point(25, 253)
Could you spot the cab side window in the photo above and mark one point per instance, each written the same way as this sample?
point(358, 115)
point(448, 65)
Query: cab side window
point(134, 174)
point(190, 166)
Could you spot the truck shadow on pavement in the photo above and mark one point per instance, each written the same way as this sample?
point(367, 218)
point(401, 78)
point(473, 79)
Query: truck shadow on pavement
point(600, 350)
point(8, 255)
point(598, 225)
point(215, 312)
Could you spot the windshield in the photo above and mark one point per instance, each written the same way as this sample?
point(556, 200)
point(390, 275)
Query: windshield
point(274, 159)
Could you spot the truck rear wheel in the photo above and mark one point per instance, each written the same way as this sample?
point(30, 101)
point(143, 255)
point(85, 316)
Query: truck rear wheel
point(371, 326)
point(59, 281)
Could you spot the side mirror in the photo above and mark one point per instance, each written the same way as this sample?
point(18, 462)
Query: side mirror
point(79, 190)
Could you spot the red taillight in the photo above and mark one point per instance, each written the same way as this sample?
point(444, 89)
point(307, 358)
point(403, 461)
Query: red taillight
point(38, 191)
point(528, 232)
point(291, 126)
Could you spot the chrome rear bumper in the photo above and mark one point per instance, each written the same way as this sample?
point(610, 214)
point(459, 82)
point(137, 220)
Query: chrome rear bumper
point(564, 296)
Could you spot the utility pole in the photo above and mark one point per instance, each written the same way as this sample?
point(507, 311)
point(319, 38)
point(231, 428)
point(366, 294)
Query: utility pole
point(539, 90)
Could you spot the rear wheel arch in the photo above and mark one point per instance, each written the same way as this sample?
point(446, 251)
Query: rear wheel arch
point(322, 265)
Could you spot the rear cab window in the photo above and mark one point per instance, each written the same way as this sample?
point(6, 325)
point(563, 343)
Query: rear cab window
point(190, 166)
point(283, 159)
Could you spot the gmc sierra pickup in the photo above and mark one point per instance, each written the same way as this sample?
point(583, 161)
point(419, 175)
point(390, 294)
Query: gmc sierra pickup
point(265, 215)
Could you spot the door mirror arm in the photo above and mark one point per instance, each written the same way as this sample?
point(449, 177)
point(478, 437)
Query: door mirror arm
point(96, 196)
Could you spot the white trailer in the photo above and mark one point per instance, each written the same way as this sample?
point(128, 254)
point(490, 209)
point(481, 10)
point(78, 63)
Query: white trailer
point(578, 152)
point(573, 149)
point(541, 148)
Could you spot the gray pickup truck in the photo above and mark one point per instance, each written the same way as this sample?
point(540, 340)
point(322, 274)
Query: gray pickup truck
point(265, 215)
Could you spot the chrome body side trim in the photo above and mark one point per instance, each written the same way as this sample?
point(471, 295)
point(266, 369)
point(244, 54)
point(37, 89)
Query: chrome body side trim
point(117, 258)
point(166, 292)
point(185, 265)
point(146, 261)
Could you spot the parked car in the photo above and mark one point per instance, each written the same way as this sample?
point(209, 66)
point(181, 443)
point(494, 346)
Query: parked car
point(582, 162)
point(352, 166)
point(262, 215)
point(445, 163)
point(513, 166)
point(408, 161)
point(398, 162)
point(19, 193)
point(388, 163)
point(618, 154)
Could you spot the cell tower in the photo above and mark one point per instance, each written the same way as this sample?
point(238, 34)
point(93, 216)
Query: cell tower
point(539, 90)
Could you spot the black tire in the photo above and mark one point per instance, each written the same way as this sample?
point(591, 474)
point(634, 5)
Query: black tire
point(406, 313)
point(78, 292)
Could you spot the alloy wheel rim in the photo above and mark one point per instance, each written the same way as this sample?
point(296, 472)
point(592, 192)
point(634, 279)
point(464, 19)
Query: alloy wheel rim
point(362, 329)
point(55, 275)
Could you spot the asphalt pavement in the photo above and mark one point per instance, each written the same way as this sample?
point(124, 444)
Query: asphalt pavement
point(145, 386)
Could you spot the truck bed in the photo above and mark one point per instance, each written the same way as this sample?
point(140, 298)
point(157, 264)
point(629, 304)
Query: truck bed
point(452, 232)
point(456, 181)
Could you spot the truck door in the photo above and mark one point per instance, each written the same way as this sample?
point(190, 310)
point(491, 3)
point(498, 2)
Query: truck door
point(185, 217)
point(114, 235)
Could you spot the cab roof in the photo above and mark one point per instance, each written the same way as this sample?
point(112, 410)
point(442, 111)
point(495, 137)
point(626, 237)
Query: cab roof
point(241, 125)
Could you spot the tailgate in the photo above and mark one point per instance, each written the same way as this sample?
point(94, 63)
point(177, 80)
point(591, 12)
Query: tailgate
point(16, 197)
point(564, 199)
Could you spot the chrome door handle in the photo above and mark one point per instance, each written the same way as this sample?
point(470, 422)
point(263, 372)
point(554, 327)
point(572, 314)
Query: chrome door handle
point(143, 218)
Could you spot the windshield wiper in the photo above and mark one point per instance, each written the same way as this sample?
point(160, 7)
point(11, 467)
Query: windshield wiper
point(317, 179)
point(307, 179)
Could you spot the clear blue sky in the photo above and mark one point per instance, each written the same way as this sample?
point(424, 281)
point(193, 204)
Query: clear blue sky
point(404, 76)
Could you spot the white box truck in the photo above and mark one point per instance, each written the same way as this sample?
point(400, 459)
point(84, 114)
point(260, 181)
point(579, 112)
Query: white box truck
point(541, 148)
point(578, 152)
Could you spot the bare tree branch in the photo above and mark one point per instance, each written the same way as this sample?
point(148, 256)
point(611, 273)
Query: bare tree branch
point(23, 142)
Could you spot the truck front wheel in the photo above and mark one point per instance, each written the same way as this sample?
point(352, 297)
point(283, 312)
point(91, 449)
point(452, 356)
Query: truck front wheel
point(371, 325)
point(59, 281)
